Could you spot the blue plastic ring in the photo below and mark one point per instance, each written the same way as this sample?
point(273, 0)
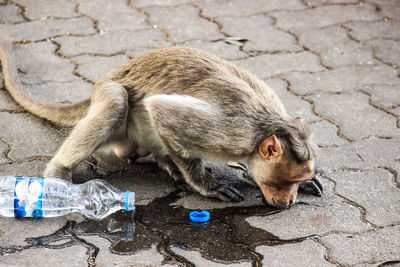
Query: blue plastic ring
point(200, 216)
point(127, 200)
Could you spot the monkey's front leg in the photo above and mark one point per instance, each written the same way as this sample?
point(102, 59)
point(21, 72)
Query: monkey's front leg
point(187, 127)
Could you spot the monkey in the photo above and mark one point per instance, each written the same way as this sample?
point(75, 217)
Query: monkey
point(185, 107)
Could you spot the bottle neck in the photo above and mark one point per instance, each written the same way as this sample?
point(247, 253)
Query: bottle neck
point(129, 200)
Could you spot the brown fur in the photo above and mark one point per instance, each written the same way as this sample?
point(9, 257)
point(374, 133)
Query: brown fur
point(183, 106)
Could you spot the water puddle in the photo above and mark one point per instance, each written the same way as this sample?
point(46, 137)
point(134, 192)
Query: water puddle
point(227, 238)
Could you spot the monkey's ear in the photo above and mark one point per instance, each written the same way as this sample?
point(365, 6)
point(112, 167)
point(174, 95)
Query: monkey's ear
point(270, 148)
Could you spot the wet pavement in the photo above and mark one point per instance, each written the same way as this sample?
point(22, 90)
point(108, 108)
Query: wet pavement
point(333, 62)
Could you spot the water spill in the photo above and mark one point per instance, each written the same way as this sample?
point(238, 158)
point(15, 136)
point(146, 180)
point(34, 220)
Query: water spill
point(216, 241)
point(228, 237)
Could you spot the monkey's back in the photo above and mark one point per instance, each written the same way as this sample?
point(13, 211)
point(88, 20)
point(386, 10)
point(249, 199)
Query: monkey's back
point(186, 71)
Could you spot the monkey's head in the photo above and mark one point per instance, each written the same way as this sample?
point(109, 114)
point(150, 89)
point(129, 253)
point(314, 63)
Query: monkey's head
point(282, 161)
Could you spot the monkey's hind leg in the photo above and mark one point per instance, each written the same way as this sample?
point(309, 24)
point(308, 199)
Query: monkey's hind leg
point(185, 125)
point(106, 117)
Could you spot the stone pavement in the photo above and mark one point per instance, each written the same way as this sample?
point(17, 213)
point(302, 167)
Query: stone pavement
point(333, 62)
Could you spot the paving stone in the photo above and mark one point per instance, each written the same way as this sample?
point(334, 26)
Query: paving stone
point(159, 182)
point(31, 168)
point(378, 151)
point(360, 155)
point(325, 134)
point(7, 103)
point(38, 63)
point(376, 29)
point(95, 67)
point(42, 29)
point(357, 117)
point(4, 148)
point(396, 111)
point(220, 48)
point(306, 253)
point(383, 208)
point(265, 66)
point(268, 38)
point(370, 247)
point(342, 79)
point(10, 14)
point(105, 258)
point(61, 92)
point(187, 26)
point(387, 50)
point(19, 229)
point(28, 136)
point(324, 16)
point(218, 8)
point(335, 47)
point(111, 42)
point(395, 168)
point(48, 8)
point(196, 258)
point(295, 106)
point(372, 265)
point(319, 216)
point(313, 3)
point(144, 3)
point(334, 158)
point(115, 15)
point(70, 256)
point(139, 51)
point(389, 8)
point(387, 96)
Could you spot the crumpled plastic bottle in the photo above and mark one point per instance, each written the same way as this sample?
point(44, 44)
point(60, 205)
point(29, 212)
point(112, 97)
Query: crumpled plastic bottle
point(51, 197)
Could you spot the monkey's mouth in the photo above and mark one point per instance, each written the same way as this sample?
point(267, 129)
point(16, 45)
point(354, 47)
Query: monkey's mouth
point(268, 205)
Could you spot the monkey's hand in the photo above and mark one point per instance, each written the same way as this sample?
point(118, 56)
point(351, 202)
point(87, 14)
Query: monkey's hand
point(56, 170)
point(313, 186)
point(223, 192)
point(204, 182)
point(226, 193)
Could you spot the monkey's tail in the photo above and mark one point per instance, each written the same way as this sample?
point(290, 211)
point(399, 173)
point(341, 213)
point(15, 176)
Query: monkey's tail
point(55, 112)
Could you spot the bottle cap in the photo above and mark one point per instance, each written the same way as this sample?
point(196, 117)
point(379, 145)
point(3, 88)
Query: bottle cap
point(129, 200)
point(200, 216)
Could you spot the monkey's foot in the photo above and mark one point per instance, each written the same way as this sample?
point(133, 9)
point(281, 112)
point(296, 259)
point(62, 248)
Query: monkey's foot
point(312, 187)
point(226, 193)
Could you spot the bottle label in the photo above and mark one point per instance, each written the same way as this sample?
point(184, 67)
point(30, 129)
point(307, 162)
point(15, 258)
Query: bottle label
point(28, 195)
